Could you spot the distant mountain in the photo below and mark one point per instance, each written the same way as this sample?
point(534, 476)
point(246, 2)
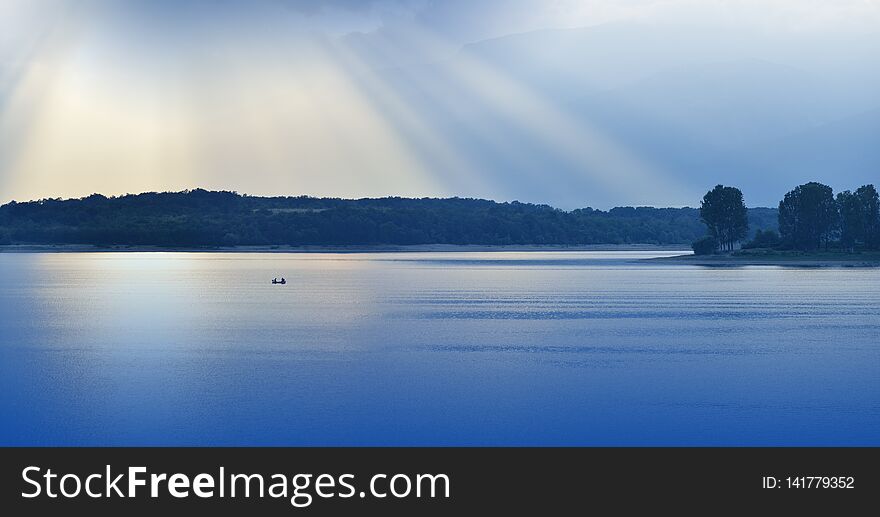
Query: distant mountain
point(719, 105)
point(845, 153)
point(576, 62)
point(564, 114)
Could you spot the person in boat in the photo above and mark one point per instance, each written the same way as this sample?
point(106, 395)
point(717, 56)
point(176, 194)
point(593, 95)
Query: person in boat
point(283, 281)
point(275, 280)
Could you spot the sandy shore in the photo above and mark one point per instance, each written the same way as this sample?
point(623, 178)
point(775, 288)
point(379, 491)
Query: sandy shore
point(82, 248)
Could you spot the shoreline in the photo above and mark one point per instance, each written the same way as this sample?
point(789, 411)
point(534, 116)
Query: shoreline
point(783, 259)
point(818, 260)
point(412, 248)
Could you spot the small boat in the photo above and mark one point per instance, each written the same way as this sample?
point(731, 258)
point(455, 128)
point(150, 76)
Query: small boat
point(276, 281)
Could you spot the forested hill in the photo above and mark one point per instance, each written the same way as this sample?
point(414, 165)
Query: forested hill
point(205, 218)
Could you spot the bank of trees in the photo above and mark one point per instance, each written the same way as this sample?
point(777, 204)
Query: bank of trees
point(205, 218)
point(859, 218)
point(810, 217)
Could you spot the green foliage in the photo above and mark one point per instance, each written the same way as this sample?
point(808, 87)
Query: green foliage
point(808, 216)
point(203, 218)
point(762, 219)
point(870, 203)
point(850, 218)
point(763, 239)
point(859, 218)
point(705, 245)
point(725, 214)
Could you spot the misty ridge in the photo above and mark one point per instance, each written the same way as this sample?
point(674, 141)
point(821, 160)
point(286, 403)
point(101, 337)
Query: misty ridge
point(199, 217)
point(625, 113)
point(632, 113)
point(762, 111)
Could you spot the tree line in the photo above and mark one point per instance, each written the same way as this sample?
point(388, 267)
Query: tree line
point(810, 217)
point(201, 218)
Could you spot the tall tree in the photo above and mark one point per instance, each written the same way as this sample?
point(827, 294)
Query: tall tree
point(808, 216)
point(851, 223)
point(859, 217)
point(725, 214)
point(869, 204)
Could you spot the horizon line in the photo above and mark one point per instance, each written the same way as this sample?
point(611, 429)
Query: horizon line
point(332, 198)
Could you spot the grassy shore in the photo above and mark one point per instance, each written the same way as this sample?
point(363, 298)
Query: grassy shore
point(769, 257)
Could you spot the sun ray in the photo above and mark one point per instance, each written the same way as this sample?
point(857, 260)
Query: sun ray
point(438, 155)
point(598, 158)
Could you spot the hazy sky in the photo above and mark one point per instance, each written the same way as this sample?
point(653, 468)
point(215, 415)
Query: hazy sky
point(303, 97)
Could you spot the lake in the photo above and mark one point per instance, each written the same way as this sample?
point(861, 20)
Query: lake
point(499, 348)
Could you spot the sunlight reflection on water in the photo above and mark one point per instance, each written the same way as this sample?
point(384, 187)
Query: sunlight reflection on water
point(526, 348)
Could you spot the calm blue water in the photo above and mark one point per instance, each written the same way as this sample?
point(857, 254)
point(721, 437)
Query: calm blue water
point(574, 348)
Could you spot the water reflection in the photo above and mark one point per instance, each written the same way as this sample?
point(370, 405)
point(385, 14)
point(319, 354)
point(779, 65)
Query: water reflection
point(575, 348)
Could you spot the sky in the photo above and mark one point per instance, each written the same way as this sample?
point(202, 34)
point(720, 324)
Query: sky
point(571, 103)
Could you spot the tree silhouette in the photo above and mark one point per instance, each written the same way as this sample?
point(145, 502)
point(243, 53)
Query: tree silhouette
point(207, 219)
point(808, 216)
point(851, 223)
point(859, 217)
point(705, 245)
point(763, 239)
point(725, 214)
point(869, 202)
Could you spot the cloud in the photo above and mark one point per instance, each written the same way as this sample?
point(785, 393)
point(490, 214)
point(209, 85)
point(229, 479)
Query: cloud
point(319, 97)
